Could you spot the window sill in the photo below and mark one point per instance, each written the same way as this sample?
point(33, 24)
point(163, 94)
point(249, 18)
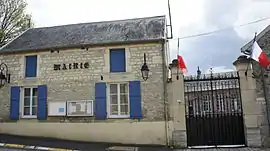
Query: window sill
point(29, 77)
point(119, 116)
point(117, 71)
point(29, 117)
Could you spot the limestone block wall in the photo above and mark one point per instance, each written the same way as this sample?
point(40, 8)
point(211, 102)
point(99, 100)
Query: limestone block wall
point(253, 102)
point(78, 84)
point(262, 78)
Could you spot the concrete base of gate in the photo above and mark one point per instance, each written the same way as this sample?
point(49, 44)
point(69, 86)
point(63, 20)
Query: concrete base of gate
point(253, 137)
point(256, 138)
point(179, 138)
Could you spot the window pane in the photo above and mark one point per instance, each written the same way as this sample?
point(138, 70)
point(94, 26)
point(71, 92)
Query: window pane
point(27, 92)
point(113, 88)
point(113, 99)
point(124, 99)
point(26, 101)
point(26, 111)
point(124, 109)
point(35, 91)
point(34, 101)
point(123, 88)
point(114, 109)
point(34, 110)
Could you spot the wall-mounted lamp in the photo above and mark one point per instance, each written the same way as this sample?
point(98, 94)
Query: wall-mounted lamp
point(145, 70)
point(4, 75)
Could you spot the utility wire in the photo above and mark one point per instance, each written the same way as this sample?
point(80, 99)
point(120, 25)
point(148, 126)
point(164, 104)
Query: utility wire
point(220, 30)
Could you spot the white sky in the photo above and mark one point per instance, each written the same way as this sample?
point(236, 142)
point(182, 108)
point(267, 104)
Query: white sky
point(188, 17)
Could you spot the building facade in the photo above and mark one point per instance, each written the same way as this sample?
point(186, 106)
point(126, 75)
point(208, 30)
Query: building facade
point(63, 77)
point(260, 111)
point(84, 82)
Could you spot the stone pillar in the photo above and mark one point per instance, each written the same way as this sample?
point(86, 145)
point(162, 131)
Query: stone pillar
point(177, 109)
point(252, 106)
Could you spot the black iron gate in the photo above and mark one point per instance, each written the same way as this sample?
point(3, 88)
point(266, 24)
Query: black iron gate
point(214, 115)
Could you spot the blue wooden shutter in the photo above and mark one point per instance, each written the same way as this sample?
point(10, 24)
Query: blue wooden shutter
point(31, 66)
point(117, 60)
point(42, 102)
point(14, 102)
point(135, 99)
point(100, 99)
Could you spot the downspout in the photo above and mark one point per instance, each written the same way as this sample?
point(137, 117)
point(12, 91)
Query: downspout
point(165, 93)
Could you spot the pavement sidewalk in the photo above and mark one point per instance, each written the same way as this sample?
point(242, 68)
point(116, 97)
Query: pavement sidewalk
point(40, 143)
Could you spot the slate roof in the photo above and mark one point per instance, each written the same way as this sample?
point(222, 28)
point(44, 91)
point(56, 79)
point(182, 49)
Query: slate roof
point(76, 35)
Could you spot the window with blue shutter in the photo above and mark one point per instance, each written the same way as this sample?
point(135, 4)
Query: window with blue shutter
point(42, 102)
point(135, 99)
point(117, 60)
point(100, 100)
point(31, 66)
point(14, 102)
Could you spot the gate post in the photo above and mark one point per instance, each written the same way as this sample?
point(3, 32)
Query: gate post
point(177, 108)
point(252, 106)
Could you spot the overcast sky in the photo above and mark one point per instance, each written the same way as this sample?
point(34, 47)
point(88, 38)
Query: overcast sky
point(189, 17)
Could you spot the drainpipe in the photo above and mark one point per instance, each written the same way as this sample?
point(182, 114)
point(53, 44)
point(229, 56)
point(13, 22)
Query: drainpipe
point(165, 93)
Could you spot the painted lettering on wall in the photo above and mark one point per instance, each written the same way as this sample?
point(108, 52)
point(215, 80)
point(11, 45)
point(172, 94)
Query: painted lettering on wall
point(71, 66)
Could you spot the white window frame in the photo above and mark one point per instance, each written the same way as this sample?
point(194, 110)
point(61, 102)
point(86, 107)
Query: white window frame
point(31, 99)
point(118, 101)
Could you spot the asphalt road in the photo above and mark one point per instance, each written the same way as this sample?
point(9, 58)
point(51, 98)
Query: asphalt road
point(10, 149)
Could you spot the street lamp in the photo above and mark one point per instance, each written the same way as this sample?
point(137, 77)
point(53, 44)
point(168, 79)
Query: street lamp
point(4, 75)
point(145, 70)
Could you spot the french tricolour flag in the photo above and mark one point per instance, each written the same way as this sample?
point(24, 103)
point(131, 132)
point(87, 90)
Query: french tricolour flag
point(258, 55)
point(181, 64)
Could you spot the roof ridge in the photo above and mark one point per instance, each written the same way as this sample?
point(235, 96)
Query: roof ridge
point(99, 22)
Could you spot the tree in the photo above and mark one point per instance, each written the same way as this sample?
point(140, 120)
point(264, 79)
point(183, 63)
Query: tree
point(13, 19)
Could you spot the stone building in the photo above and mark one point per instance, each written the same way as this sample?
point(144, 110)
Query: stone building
point(62, 77)
point(84, 82)
point(259, 116)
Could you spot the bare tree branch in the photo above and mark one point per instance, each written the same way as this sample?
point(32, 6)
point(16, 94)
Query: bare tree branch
point(13, 19)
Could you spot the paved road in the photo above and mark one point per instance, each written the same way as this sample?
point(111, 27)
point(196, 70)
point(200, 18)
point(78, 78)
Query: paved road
point(221, 149)
point(225, 149)
point(10, 149)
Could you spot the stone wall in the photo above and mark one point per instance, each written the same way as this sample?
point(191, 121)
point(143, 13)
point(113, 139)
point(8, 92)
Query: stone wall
point(78, 84)
point(253, 102)
point(262, 78)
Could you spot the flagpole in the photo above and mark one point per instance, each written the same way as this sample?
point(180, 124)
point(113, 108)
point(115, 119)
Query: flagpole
point(177, 76)
point(254, 39)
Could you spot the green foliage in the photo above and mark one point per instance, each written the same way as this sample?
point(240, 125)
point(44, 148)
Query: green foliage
point(13, 19)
